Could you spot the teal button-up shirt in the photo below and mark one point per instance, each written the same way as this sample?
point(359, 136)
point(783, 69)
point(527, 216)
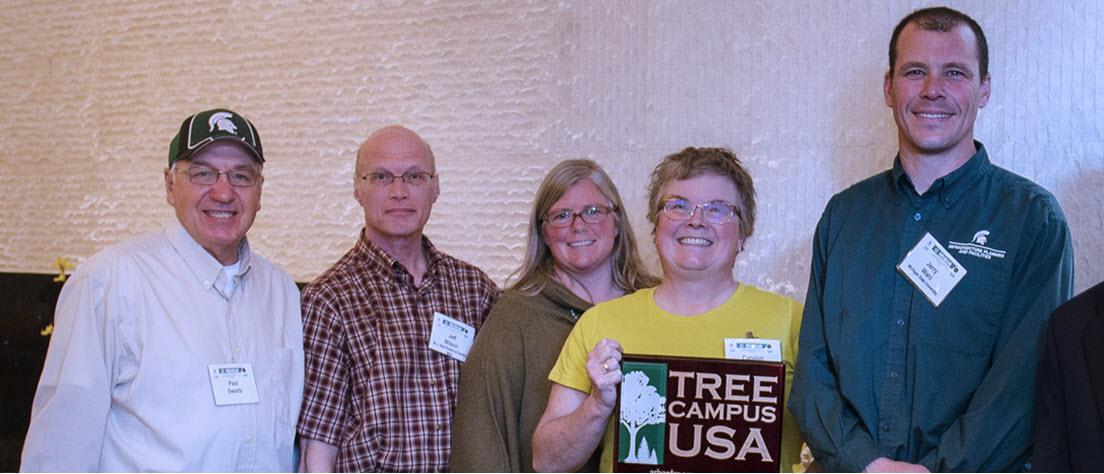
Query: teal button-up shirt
point(882, 371)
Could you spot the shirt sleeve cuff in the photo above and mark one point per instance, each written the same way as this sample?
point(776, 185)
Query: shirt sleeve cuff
point(851, 457)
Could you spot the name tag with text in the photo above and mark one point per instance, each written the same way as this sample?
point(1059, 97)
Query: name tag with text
point(932, 269)
point(233, 384)
point(451, 337)
point(769, 350)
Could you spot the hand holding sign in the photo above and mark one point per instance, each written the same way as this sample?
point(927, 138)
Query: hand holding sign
point(604, 368)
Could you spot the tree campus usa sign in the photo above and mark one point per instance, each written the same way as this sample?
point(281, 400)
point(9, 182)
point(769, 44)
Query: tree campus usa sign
point(697, 414)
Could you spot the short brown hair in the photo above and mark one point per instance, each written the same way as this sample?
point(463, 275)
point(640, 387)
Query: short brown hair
point(692, 162)
point(943, 20)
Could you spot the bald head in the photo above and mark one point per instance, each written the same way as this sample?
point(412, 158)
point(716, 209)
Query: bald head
point(396, 184)
point(394, 141)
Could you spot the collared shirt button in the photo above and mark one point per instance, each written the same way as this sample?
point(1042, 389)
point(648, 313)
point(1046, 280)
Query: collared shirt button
point(916, 216)
point(885, 426)
point(893, 375)
point(249, 438)
point(901, 322)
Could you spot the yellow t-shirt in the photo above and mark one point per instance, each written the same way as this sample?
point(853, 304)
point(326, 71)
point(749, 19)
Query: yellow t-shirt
point(644, 328)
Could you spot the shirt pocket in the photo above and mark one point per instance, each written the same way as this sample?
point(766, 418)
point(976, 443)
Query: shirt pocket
point(862, 294)
point(956, 342)
point(968, 321)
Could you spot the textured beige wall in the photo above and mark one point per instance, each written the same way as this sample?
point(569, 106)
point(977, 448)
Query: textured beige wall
point(91, 92)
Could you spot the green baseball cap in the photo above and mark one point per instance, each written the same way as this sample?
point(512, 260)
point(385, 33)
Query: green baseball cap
point(203, 128)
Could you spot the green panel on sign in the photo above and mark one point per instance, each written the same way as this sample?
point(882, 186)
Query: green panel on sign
point(642, 420)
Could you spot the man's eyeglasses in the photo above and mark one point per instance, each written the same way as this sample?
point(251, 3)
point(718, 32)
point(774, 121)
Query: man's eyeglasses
point(714, 212)
point(206, 176)
point(410, 178)
point(566, 217)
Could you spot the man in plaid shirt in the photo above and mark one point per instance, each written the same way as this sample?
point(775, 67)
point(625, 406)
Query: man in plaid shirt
point(387, 326)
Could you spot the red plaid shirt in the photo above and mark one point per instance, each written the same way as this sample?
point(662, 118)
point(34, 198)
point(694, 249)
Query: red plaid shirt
point(373, 387)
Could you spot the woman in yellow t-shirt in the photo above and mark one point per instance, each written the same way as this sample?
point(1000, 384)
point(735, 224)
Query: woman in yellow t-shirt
point(702, 206)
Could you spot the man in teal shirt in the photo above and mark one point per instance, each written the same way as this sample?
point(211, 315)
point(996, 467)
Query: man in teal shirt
point(930, 282)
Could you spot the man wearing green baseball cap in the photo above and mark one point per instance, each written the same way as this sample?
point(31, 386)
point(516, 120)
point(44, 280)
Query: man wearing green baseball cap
point(180, 350)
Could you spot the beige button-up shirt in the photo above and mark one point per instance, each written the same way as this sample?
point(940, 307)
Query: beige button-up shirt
point(125, 385)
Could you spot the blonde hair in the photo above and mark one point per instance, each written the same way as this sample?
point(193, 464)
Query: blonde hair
point(538, 266)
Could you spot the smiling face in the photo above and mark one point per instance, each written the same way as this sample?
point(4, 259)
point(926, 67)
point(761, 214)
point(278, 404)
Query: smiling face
point(396, 211)
point(217, 216)
point(935, 92)
point(581, 249)
point(695, 249)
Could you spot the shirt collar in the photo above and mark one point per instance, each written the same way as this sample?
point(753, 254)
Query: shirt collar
point(948, 188)
point(203, 265)
point(381, 263)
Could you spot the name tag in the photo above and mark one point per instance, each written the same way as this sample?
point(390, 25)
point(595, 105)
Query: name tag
point(451, 337)
point(233, 384)
point(931, 269)
point(769, 350)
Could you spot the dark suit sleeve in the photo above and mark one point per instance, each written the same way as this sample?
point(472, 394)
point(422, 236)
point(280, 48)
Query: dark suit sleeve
point(1051, 445)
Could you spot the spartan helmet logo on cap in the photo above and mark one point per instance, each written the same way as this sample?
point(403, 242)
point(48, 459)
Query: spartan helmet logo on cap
point(222, 124)
point(222, 121)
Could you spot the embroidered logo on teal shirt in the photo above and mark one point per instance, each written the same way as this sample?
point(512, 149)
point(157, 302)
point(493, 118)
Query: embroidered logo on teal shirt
point(976, 247)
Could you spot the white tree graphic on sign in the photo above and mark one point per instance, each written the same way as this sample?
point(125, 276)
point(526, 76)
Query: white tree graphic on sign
point(641, 405)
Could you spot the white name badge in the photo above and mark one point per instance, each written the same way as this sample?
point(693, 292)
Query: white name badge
point(769, 350)
point(233, 384)
point(451, 337)
point(932, 269)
